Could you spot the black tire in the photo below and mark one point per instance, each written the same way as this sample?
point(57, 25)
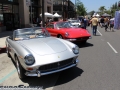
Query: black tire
point(20, 69)
point(60, 36)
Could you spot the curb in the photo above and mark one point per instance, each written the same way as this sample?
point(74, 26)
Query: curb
point(2, 50)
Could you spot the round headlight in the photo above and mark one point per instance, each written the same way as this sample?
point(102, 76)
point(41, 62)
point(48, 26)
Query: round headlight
point(76, 50)
point(29, 59)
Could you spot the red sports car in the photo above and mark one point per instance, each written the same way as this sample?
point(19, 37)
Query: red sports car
point(65, 30)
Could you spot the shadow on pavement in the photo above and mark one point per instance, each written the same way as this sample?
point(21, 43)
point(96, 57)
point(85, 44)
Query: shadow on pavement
point(69, 75)
point(2, 50)
point(50, 80)
point(82, 45)
point(97, 35)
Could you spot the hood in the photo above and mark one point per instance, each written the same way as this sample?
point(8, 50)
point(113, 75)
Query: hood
point(44, 46)
point(76, 32)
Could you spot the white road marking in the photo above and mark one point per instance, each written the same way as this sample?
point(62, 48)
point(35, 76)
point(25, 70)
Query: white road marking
point(112, 47)
point(99, 32)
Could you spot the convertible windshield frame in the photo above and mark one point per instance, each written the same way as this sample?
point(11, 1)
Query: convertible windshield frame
point(30, 33)
point(64, 25)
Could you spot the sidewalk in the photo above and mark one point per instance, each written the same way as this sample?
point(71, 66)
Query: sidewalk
point(3, 36)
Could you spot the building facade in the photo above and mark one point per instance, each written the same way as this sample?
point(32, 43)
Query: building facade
point(20, 13)
point(64, 8)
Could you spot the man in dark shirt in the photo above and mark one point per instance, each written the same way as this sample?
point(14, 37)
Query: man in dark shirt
point(102, 22)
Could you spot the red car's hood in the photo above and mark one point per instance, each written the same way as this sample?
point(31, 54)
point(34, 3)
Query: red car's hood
point(76, 32)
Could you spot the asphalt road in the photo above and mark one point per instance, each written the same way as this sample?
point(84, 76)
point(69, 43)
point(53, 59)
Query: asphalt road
point(98, 68)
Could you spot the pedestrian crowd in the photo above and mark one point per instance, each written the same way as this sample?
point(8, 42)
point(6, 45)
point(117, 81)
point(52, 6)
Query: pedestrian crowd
point(106, 22)
point(94, 22)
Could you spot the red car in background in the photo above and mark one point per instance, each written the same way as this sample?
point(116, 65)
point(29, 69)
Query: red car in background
point(66, 31)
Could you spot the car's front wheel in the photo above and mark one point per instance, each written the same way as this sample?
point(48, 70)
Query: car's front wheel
point(20, 69)
point(8, 54)
point(60, 37)
point(7, 51)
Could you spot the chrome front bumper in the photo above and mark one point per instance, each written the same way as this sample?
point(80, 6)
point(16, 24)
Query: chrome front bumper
point(38, 73)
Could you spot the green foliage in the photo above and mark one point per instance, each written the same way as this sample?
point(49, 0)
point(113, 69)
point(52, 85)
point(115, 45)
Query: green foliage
point(102, 9)
point(91, 13)
point(81, 10)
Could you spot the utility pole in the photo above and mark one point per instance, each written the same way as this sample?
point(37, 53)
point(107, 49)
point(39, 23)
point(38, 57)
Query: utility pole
point(63, 9)
point(31, 11)
point(75, 9)
point(43, 16)
point(68, 8)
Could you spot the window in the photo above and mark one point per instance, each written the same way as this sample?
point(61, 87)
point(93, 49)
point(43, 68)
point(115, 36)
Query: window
point(34, 2)
point(50, 26)
point(7, 8)
point(1, 16)
point(10, 0)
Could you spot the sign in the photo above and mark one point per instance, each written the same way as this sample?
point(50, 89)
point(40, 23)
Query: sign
point(117, 20)
point(28, 3)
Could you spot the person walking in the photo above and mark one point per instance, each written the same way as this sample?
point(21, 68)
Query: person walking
point(106, 21)
point(111, 24)
point(102, 22)
point(94, 23)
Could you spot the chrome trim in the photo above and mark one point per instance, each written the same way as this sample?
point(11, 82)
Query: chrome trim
point(38, 73)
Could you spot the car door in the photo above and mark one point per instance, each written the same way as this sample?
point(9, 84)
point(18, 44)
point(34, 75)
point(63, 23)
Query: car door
point(51, 29)
point(10, 46)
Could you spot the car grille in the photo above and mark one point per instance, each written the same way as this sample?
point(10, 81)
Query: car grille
point(83, 38)
point(56, 66)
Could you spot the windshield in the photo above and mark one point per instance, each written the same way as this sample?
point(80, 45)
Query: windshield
point(30, 33)
point(74, 21)
point(64, 25)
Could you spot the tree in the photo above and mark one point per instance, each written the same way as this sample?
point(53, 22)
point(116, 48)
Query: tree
point(102, 9)
point(81, 10)
point(116, 5)
point(91, 13)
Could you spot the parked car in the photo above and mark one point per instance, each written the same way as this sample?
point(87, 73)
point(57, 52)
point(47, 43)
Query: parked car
point(75, 23)
point(67, 31)
point(35, 53)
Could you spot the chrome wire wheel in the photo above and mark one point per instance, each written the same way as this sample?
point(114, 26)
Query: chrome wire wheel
point(20, 69)
point(17, 66)
point(8, 54)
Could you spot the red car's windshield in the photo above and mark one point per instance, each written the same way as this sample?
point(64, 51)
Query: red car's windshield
point(64, 25)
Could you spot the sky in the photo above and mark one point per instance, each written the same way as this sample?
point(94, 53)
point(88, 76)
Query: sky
point(95, 4)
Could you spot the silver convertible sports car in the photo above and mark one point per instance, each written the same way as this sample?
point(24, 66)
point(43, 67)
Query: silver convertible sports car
point(35, 53)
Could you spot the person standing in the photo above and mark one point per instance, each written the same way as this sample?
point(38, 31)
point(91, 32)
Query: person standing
point(94, 23)
point(85, 22)
point(38, 21)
